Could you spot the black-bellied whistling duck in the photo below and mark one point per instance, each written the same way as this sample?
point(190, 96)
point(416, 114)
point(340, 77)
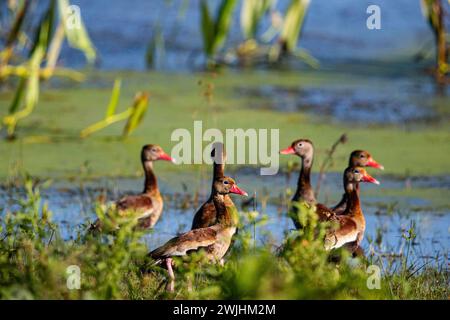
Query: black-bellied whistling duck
point(147, 206)
point(214, 240)
point(206, 214)
point(305, 194)
point(352, 224)
point(358, 158)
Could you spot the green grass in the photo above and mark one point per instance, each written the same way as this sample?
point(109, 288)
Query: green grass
point(34, 261)
point(48, 144)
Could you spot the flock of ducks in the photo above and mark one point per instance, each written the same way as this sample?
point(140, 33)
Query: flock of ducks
point(215, 222)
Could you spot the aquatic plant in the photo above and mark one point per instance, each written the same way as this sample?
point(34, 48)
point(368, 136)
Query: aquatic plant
point(281, 38)
point(215, 29)
point(252, 12)
point(133, 114)
point(42, 55)
point(433, 11)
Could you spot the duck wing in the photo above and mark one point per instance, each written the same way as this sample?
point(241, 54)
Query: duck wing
point(185, 243)
point(135, 203)
point(324, 213)
point(345, 233)
point(205, 216)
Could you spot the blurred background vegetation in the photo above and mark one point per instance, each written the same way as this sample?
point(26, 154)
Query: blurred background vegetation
point(34, 33)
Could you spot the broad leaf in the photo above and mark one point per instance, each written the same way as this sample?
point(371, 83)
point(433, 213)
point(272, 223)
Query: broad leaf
point(293, 22)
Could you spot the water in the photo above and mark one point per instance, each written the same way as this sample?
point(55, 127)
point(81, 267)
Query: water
point(350, 104)
point(334, 32)
point(73, 207)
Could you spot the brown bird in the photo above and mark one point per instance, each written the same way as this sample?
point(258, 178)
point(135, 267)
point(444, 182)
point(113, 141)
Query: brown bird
point(305, 194)
point(146, 207)
point(358, 158)
point(214, 241)
point(351, 225)
point(206, 214)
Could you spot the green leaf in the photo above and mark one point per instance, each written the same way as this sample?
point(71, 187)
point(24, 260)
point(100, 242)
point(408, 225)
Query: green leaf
point(215, 31)
point(115, 95)
point(76, 33)
point(207, 27)
point(155, 46)
point(251, 13)
point(45, 30)
point(139, 108)
point(293, 22)
point(222, 24)
point(31, 91)
point(18, 96)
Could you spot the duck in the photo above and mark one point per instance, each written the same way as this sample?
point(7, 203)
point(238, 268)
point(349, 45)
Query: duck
point(214, 241)
point(351, 225)
point(206, 215)
point(304, 194)
point(147, 206)
point(358, 158)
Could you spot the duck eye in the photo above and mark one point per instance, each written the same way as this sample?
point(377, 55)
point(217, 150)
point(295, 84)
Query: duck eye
point(361, 156)
point(153, 150)
point(356, 171)
point(300, 145)
point(225, 182)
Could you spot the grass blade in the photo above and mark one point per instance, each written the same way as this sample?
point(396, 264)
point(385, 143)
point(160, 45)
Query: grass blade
point(223, 22)
point(251, 13)
point(115, 95)
point(139, 108)
point(207, 27)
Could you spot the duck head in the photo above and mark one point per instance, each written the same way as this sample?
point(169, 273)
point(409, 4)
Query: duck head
point(226, 185)
point(153, 152)
point(300, 147)
point(358, 174)
point(362, 158)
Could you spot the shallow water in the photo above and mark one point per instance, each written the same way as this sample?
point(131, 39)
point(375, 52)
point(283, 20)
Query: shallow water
point(73, 207)
point(395, 101)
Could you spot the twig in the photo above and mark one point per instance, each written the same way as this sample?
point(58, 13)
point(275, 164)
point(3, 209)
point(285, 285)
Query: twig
point(325, 164)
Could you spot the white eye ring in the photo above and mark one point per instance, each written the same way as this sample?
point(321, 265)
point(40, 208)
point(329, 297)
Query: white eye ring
point(300, 144)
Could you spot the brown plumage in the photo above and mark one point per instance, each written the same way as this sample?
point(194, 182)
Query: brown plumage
point(206, 214)
point(358, 158)
point(185, 243)
point(305, 150)
point(214, 240)
point(350, 226)
point(146, 207)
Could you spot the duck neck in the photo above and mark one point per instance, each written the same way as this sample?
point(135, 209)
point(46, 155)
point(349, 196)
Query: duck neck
point(224, 217)
point(305, 191)
point(218, 172)
point(151, 184)
point(352, 194)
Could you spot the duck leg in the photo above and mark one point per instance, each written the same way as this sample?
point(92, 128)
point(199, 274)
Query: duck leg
point(171, 283)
